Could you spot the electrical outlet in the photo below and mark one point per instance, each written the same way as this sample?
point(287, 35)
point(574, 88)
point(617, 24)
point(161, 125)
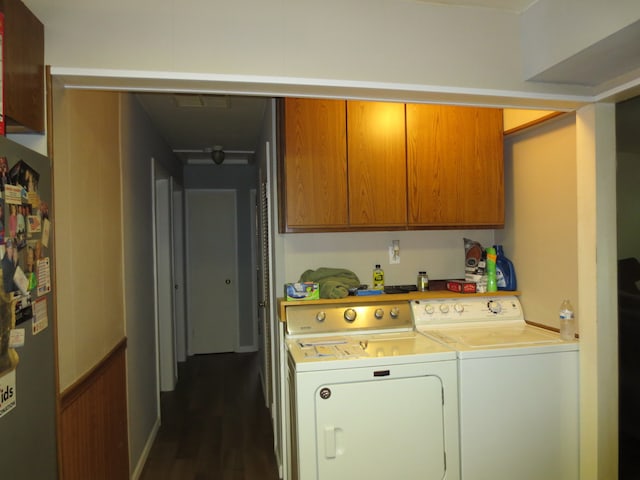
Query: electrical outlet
point(394, 252)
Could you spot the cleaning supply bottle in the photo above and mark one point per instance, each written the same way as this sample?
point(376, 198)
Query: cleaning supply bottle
point(378, 278)
point(505, 273)
point(492, 285)
point(422, 282)
point(567, 321)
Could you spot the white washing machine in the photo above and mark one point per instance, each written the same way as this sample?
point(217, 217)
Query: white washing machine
point(369, 397)
point(517, 387)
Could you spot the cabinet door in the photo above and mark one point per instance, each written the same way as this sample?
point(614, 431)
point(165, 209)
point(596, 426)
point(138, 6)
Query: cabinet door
point(455, 166)
point(315, 164)
point(377, 164)
point(23, 68)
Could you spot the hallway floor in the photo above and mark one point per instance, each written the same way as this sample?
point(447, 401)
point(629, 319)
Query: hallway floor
point(215, 424)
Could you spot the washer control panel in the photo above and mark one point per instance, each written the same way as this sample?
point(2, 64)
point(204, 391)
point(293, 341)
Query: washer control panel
point(332, 317)
point(442, 311)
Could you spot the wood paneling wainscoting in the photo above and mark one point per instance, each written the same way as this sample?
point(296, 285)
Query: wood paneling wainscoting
point(93, 422)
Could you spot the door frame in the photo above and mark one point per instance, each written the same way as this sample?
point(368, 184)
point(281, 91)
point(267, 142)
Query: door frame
point(166, 363)
point(179, 274)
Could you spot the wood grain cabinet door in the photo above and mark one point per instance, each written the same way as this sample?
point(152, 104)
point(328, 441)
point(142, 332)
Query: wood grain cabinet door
point(315, 164)
point(455, 166)
point(377, 164)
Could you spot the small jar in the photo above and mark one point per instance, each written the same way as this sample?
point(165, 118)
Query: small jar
point(422, 282)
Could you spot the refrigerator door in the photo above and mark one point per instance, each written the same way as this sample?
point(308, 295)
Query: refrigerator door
point(27, 372)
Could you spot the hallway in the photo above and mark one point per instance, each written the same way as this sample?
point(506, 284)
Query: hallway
point(215, 424)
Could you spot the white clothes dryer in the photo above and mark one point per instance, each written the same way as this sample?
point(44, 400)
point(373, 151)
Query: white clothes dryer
point(369, 397)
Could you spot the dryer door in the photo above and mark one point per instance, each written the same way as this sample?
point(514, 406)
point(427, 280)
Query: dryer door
point(381, 429)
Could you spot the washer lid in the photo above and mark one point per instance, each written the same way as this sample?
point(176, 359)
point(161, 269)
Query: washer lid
point(515, 334)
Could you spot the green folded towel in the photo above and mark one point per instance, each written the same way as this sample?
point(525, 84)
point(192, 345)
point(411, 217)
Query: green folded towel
point(333, 282)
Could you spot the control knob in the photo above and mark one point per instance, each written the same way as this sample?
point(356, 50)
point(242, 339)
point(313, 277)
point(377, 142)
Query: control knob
point(494, 307)
point(321, 316)
point(395, 311)
point(350, 315)
point(458, 307)
point(379, 313)
point(444, 308)
point(429, 309)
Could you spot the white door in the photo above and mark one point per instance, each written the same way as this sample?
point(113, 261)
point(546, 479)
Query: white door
point(212, 287)
point(167, 363)
point(380, 430)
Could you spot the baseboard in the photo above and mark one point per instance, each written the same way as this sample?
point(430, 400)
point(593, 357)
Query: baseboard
point(263, 385)
point(247, 349)
point(146, 450)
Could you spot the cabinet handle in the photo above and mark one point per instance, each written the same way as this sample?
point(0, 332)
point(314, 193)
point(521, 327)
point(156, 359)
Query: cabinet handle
point(330, 442)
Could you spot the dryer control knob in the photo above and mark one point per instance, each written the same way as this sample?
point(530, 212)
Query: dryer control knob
point(428, 309)
point(395, 311)
point(379, 313)
point(444, 308)
point(350, 315)
point(458, 307)
point(321, 316)
point(494, 307)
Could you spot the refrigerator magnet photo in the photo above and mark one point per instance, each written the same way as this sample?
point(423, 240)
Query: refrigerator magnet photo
point(40, 316)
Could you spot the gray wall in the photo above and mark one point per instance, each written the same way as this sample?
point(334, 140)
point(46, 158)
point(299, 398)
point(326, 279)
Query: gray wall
point(140, 143)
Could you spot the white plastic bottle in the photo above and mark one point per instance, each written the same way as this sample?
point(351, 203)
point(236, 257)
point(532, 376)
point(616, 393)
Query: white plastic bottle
point(567, 321)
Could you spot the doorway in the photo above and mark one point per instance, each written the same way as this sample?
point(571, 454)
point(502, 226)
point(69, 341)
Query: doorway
point(179, 272)
point(212, 271)
point(628, 243)
point(164, 281)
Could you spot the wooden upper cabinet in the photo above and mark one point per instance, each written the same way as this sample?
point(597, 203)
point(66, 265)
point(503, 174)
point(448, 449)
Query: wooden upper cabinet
point(315, 164)
point(23, 78)
point(455, 166)
point(377, 164)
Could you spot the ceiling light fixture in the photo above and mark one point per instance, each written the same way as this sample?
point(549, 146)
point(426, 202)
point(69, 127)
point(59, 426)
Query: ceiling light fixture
point(217, 155)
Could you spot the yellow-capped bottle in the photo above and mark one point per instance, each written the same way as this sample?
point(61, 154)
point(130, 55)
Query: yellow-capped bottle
point(378, 278)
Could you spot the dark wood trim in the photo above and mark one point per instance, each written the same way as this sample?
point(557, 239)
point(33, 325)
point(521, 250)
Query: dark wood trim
point(94, 439)
point(542, 325)
point(547, 327)
point(81, 385)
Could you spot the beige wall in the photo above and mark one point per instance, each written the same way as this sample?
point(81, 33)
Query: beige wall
point(439, 252)
point(517, 118)
point(540, 236)
point(87, 209)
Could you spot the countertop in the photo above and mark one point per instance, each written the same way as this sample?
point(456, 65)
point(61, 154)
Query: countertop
point(391, 297)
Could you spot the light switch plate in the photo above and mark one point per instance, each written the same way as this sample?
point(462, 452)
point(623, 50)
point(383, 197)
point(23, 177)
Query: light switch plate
point(393, 258)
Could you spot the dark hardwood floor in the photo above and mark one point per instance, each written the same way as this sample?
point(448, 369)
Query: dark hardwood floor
point(215, 424)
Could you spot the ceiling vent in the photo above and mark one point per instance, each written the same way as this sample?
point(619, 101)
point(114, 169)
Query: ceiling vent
point(184, 100)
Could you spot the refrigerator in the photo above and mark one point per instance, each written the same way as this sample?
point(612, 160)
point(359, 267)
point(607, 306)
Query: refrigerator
point(27, 336)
